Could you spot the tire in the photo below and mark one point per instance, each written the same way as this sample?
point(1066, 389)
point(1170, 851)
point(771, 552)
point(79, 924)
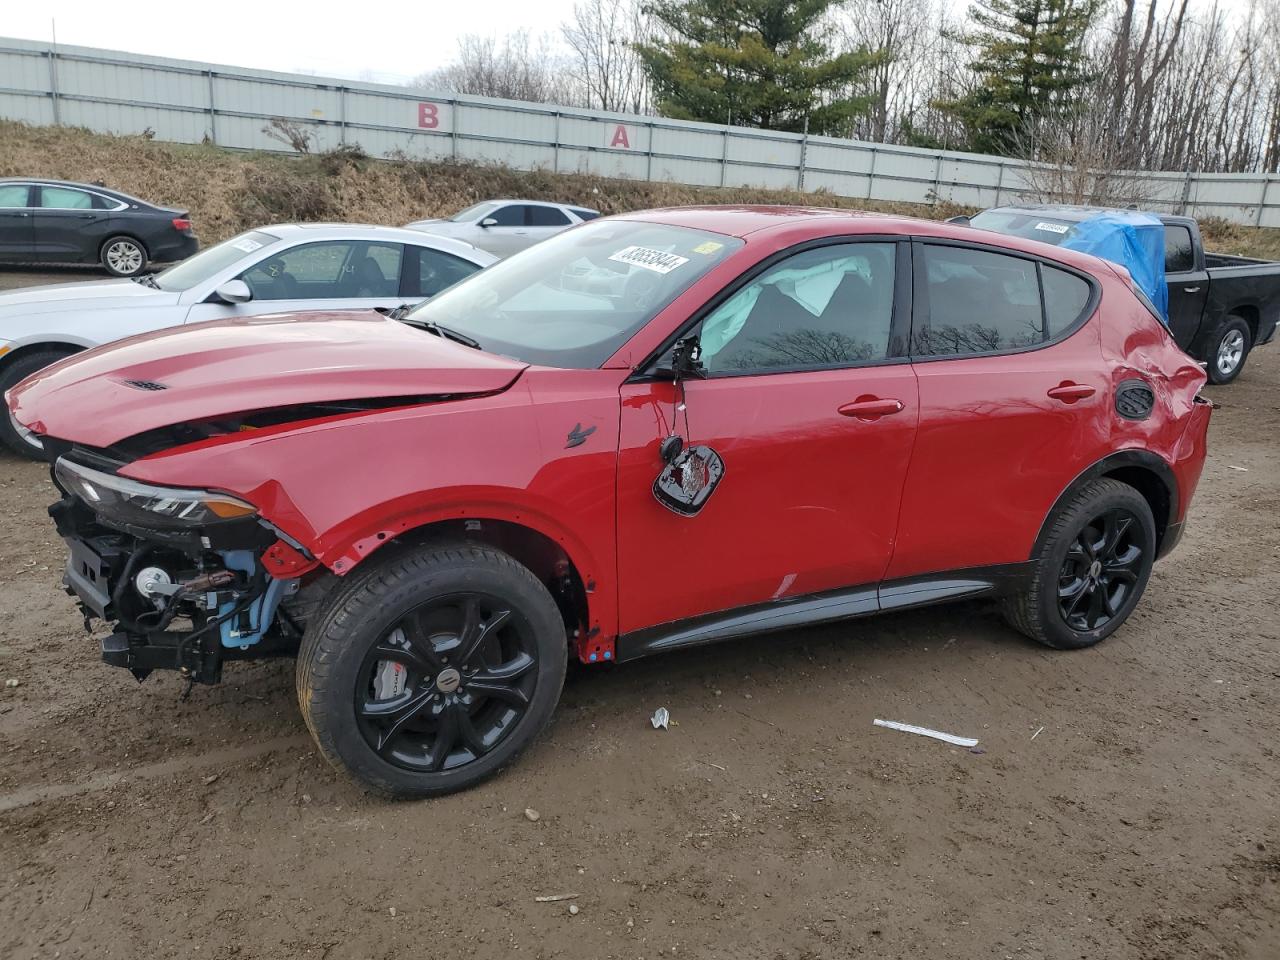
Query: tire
point(1227, 349)
point(416, 723)
point(1090, 571)
point(15, 436)
point(123, 256)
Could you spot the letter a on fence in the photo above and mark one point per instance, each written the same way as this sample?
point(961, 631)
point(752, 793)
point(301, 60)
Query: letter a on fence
point(620, 137)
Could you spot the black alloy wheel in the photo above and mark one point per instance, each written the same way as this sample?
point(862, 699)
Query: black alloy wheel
point(447, 683)
point(1101, 570)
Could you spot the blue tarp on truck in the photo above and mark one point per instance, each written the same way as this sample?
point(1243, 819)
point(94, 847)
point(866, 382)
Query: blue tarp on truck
point(1132, 239)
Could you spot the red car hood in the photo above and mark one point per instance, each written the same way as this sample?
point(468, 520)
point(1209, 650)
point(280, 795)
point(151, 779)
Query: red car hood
point(215, 369)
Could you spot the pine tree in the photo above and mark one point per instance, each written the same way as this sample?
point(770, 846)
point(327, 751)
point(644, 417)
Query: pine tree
point(1030, 61)
point(754, 63)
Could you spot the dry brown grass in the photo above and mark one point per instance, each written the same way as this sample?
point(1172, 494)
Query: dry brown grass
point(228, 191)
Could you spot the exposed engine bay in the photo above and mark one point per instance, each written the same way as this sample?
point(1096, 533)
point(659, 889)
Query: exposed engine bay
point(178, 575)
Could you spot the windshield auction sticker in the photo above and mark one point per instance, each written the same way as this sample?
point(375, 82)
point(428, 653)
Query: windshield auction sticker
point(248, 245)
point(649, 259)
point(1052, 227)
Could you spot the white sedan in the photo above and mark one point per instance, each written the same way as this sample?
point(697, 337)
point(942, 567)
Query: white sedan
point(505, 227)
point(277, 269)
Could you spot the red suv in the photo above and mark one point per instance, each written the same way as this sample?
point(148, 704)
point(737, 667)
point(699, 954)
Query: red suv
point(654, 431)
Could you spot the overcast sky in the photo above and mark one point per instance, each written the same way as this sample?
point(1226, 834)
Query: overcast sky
point(390, 41)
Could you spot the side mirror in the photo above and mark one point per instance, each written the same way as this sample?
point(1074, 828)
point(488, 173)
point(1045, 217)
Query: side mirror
point(489, 222)
point(234, 291)
point(961, 220)
point(684, 362)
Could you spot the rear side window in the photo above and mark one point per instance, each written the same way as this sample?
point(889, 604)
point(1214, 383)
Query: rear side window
point(1065, 298)
point(975, 301)
point(62, 198)
point(585, 214)
point(1179, 255)
point(547, 217)
point(434, 271)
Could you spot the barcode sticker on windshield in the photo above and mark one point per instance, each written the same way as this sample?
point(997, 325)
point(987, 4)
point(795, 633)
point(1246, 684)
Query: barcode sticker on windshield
point(649, 259)
point(248, 245)
point(1052, 227)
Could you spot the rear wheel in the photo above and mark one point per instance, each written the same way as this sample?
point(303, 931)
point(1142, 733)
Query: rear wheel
point(1228, 349)
point(15, 436)
point(1090, 571)
point(433, 671)
point(123, 256)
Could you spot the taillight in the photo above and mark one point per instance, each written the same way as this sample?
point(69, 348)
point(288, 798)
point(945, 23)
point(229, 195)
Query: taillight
point(182, 224)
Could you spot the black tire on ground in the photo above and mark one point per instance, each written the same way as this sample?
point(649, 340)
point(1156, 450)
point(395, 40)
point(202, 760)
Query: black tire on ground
point(15, 437)
point(433, 670)
point(123, 256)
point(1227, 349)
point(1091, 570)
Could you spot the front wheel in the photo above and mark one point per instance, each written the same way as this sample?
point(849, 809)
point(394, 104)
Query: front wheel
point(13, 434)
point(1228, 349)
point(432, 671)
point(123, 256)
point(1091, 569)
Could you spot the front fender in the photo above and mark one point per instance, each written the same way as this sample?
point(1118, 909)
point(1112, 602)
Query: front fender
point(343, 486)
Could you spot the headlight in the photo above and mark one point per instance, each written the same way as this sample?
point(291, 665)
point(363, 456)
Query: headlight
point(127, 501)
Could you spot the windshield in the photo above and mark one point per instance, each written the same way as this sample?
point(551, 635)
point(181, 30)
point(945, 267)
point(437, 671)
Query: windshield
point(573, 300)
point(1029, 225)
point(205, 264)
point(474, 212)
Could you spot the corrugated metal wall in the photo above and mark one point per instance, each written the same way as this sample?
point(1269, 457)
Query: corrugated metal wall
point(190, 102)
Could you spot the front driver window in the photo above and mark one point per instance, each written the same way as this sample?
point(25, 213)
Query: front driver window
point(333, 270)
point(508, 216)
point(828, 306)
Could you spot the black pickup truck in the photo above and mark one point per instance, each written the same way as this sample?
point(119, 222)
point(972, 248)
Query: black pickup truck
point(1220, 307)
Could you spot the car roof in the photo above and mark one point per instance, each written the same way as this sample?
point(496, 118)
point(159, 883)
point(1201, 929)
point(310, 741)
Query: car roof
point(369, 231)
point(539, 203)
point(742, 220)
point(1075, 213)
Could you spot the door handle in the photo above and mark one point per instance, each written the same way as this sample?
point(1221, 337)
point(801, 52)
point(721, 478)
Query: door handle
point(870, 408)
point(1190, 289)
point(1069, 392)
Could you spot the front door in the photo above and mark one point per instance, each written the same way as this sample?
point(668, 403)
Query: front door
point(326, 275)
point(1188, 284)
point(70, 224)
point(812, 409)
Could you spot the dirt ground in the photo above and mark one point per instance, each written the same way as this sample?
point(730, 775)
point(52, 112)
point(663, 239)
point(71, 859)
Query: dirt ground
point(1125, 805)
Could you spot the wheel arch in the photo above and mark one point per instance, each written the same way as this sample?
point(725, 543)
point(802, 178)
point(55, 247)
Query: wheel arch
point(1146, 472)
point(554, 557)
point(128, 235)
point(1249, 313)
point(64, 347)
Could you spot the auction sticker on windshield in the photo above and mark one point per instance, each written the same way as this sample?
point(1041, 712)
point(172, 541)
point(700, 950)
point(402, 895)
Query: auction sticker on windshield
point(247, 244)
point(1052, 227)
point(647, 258)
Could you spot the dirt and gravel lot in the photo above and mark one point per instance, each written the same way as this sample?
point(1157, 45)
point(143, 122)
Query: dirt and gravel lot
point(773, 821)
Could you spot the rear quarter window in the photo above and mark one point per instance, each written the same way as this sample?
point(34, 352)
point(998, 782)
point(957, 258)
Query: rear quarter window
point(1065, 299)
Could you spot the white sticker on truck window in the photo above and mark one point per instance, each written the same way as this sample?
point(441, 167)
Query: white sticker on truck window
point(1052, 227)
point(248, 245)
point(649, 259)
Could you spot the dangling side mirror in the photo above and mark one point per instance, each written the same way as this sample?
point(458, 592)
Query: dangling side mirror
point(684, 362)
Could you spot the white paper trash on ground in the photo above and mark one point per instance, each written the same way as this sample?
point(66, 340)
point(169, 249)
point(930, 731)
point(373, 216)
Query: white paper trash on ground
point(926, 732)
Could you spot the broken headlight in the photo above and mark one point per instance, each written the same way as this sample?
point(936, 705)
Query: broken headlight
point(130, 502)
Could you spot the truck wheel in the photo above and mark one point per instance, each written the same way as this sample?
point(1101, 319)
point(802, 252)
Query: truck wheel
point(15, 436)
point(123, 256)
point(432, 671)
point(1090, 571)
point(1228, 349)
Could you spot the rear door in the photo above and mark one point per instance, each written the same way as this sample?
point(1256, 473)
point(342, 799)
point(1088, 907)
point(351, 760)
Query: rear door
point(1188, 283)
point(326, 275)
point(17, 225)
point(811, 405)
point(71, 224)
point(1014, 404)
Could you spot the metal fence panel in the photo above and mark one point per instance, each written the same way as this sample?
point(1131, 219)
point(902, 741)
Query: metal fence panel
point(189, 102)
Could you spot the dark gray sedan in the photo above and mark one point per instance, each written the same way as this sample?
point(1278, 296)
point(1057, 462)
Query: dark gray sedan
point(53, 221)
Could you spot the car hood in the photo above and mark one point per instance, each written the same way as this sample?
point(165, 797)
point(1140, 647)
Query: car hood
point(88, 294)
point(225, 367)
